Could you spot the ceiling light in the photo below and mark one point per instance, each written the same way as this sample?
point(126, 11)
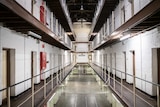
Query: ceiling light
point(30, 33)
point(82, 7)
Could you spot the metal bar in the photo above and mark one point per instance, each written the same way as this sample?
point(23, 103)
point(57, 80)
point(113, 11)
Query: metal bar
point(8, 97)
point(32, 82)
point(59, 73)
point(44, 86)
point(63, 66)
point(57, 76)
point(134, 91)
point(137, 77)
point(31, 96)
point(158, 98)
point(114, 82)
point(52, 80)
point(121, 86)
point(102, 64)
point(24, 101)
point(131, 91)
point(109, 77)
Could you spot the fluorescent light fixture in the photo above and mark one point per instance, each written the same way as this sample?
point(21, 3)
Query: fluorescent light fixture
point(125, 37)
point(81, 7)
point(30, 33)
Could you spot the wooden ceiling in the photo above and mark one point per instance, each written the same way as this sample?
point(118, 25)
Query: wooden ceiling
point(82, 9)
point(13, 16)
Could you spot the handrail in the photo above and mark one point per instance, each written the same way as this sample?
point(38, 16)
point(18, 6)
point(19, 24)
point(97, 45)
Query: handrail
point(114, 80)
point(128, 74)
point(53, 81)
point(32, 77)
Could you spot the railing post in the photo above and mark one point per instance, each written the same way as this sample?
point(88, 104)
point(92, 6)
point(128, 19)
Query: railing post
point(105, 72)
point(63, 66)
point(8, 96)
point(57, 77)
point(52, 79)
point(102, 65)
point(134, 91)
point(44, 85)
point(114, 81)
point(32, 82)
point(109, 77)
point(64, 70)
point(60, 76)
point(158, 98)
point(121, 86)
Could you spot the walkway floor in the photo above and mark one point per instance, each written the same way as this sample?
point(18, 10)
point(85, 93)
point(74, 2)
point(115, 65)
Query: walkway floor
point(127, 94)
point(82, 90)
point(39, 96)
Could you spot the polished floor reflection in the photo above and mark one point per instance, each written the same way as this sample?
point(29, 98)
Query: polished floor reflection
point(82, 88)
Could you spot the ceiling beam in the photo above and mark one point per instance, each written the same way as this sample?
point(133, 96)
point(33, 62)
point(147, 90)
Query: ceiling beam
point(70, 4)
point(82, 11)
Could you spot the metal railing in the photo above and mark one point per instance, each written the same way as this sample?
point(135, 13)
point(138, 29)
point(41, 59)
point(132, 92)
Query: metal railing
point(53, 80)
point(114, 80)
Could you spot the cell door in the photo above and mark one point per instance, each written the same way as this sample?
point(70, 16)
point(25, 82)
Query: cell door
point(8, 68)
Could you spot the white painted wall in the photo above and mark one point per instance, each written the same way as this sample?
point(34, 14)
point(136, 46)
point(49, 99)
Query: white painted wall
point(82, 57)
point(81, 31)
point(26, 4)
point(67, 57)
point(82, 47)
point(143, 45)
point(23, 46)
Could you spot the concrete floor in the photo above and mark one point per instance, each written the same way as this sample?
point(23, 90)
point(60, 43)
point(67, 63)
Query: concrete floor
point(82, 90)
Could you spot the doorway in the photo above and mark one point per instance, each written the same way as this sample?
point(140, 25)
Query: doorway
point(4, 73)
point(8, 68)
